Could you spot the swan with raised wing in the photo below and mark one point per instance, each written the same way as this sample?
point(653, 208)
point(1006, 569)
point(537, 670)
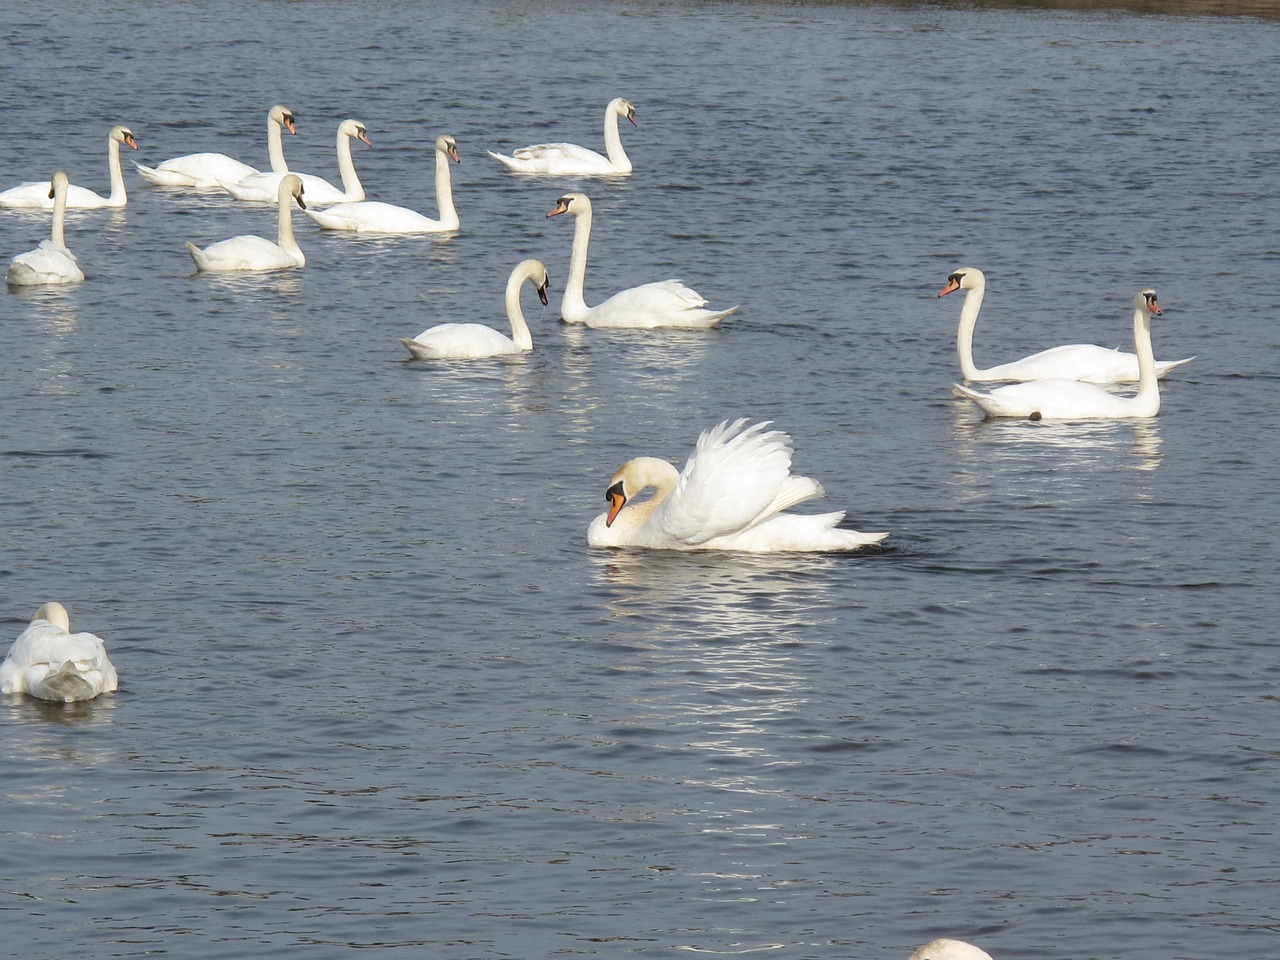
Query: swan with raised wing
point(247, 253)
point(569, 159)
point(473, 341)
point(38, 195)
point(264, 187)
point(667, 303)
point(730, 496)
point(1075, 399)
point(1074, 361)
point(50, 662)
point(373, 216)
point(51, 262)
point(203, 171)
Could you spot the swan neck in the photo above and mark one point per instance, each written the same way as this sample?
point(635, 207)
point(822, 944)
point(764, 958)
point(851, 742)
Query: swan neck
point(117, 175)
point(618, 158)
point(284, 230)
point(351, 185)
point(1148, 381)
point(444, 192)
point(573, 304)
point(275, 147)
point(519, 328)
point(646, 473)
point(58, 232)
point(964, 334)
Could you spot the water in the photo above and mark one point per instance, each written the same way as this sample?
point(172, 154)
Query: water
point(376, 692)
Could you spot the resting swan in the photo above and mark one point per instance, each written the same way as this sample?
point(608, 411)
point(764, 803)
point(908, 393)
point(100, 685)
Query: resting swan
point(263, 187)
point(472, 341)
point(569, 159)
point(730, 496)
point(1075, 361)
point(51, 262)
point(244, 253)
point(371, 216)
point(50, 662)
point(203, 171)
point(668, 303)
point(949, 950)
point(36, 196)
point(1074, 400)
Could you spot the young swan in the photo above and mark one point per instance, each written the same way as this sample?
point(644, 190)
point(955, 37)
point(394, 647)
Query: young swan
point(246, 253)
point(37, 195)
point(51, 262)
point(730, 496)
point(203, 171)
point(50, 662)
point(949, 950)
point(569, 159)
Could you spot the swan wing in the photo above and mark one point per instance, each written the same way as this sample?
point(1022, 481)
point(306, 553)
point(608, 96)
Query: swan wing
point(557, 158)
point(47, 263)
point(460, 341)
point(666, 303)
point(1052, 400)
point(373, 216)
point(241, 254)
point(48, 662)
point(199, 170)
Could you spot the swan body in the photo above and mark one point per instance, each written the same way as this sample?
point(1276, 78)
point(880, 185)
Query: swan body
point(667, 303)
point(204, 171)
point(38, 196)
point(246, 253)
point(949, 950)
point(372, 216)
point(1074, 361)
point(264, 187)
point(50, 662)
point(1076, 400)
point(471, 341)
point(51, 262)
point(730, 496)
point(569, 159)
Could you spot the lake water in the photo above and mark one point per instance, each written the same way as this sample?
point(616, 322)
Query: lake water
point(377, 696)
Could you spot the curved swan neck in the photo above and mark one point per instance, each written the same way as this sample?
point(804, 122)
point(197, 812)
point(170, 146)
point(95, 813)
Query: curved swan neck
point(964, 334)
point(613, 141)
point(275, 146)
point(519, 328)
point(117, 175)
point(573, 304)
point(351, 185)
point(444, 192)
point(637, 476)
point(284, 228)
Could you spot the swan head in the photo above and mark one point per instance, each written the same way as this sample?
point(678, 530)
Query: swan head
point(283, 116)
point(291, 186)
point(949, 950)
point(634, 478)
point(965, 278)
point(448, 146)
point(123, 135)
point(624, 108)
point(1145, 301)
point(574, 203)
point(59, 181)
point(354, 130)
point(55, 613)
point(536, 271)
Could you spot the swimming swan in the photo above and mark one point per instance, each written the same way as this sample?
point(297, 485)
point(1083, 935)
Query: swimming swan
point(245, 253)
point(1075, 361)
point(51, 262)
point(730, 496)
point(264, 187)
point(371, 216)
point(471, 341)
point(668, 303)
point(569, 159)
point(36, 196)
point(949, 950)
point(203, 171)
point(1074, 400)
point(50, 662)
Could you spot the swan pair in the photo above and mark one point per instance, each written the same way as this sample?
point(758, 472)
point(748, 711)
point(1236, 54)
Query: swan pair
point(50, 662)
point(249, 253)
point(569, 159)
point(730, 496)
point(472, 341)
point(668, 303)
point(39, 196)
point(265, 187)
point(51, 262)
point(205, 171)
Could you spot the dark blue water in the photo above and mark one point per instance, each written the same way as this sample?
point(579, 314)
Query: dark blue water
point(376, 693)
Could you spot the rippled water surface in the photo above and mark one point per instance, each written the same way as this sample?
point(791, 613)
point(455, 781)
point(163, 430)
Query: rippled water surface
point(376, 691)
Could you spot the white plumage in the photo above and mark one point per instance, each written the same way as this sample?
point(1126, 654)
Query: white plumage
point(38, 195)
point(50, 662)
point(569, 159)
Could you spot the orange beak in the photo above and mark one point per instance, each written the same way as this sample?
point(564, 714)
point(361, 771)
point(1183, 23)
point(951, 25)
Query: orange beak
point(364, 137)
point(617, 500)
point(130, 141)
point(951, 287)
point(288, 125)
point(453, 154)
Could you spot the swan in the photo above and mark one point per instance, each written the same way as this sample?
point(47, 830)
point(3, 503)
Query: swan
point(202, 171)
point(668, 303)
point(569, 159)
point(1074, 400)
point(37, 195)
point(50, 662)
point(263, 187)
point(255, 253)
point(371, 216)
point(949, 950)
point(51, 262)
point(1075, 361)
point(471, 341)
point(730, 496)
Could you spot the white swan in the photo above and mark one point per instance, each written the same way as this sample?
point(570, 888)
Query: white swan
point(202, 171)
point(1075, 400)
point(730, 496)
point(264, 187)
point(37, 195)
point(667, 303)
point(50, 662)
point(569, 159)
point(1075, 361)
point(371, 216)
point(240, 254)
point(51, 262)
point(949, 950)
point(471, 341)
